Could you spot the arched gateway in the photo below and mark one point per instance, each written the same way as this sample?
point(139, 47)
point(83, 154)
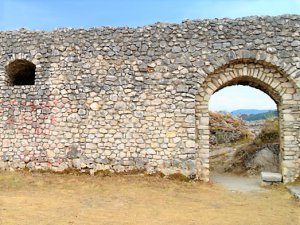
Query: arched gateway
point(269, 79)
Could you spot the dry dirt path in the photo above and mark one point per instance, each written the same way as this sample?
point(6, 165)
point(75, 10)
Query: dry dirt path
point(238, 183)
point(69, 199)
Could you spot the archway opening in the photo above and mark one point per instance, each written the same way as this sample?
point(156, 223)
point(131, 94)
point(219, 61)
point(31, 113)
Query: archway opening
point(271, 81)
point(244, 130)
point(20, 72)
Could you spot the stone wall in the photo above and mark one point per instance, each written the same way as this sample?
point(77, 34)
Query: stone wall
point(136, 98)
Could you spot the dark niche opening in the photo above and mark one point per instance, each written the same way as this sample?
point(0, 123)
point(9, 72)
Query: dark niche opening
point(20, 72)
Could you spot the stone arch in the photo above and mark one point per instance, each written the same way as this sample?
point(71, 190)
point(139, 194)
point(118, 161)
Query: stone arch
point(267, 58)
point(20, 72)
point(277, 85)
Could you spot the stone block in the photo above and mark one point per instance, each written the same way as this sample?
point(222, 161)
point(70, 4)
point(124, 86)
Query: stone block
point(190, 144)
point(295, 190)
point(182, 88)
point(271, 177)
point(120, 106)
point(95, 106)
point(150, 151)
point(76, 163)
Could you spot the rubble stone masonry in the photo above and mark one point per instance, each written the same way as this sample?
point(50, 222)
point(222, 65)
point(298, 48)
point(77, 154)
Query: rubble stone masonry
point(137, 98)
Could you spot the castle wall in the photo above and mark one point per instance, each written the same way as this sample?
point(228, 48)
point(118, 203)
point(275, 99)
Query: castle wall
point(125, 98)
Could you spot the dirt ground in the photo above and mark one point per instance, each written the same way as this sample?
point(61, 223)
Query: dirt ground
point(37, 198)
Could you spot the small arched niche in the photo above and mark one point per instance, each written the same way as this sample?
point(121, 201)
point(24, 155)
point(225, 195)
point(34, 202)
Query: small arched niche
point(20, 72)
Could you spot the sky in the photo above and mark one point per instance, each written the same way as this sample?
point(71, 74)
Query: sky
point(240, 97)
point(52, 14)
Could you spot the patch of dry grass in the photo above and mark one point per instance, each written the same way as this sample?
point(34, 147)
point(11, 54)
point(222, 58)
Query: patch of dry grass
point(45, 198)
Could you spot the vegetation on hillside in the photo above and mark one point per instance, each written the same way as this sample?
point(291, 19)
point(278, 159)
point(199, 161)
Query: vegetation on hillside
point(269, 133)
point(268, 138)
point(225, 128)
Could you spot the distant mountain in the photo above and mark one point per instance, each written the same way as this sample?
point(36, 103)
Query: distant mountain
point(255, 114)
point(259, 116)
point(249, 111)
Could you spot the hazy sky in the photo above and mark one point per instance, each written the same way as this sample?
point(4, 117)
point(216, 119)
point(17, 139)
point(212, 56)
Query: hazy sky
point(51, 14)
point(240, 97)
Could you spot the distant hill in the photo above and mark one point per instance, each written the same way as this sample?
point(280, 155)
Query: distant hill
point(249, 111)
point(259, 116)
